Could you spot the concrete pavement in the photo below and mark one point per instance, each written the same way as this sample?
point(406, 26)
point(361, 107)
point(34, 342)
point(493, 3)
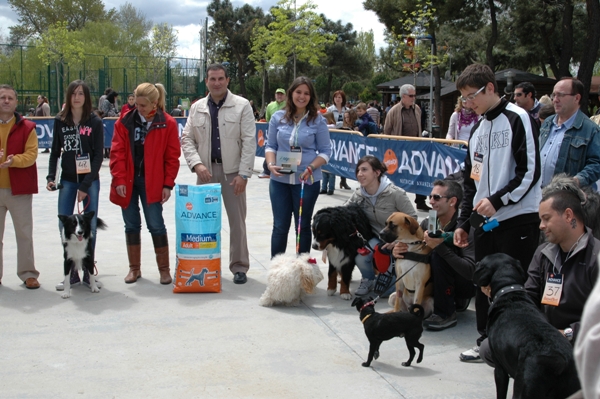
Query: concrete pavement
point(142, 341)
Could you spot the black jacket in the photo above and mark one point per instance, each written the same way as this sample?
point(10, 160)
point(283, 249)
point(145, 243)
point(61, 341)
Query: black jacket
point(88, 140)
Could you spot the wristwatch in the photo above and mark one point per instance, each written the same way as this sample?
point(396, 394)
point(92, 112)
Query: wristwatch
point(568, 332)
point(243, 177)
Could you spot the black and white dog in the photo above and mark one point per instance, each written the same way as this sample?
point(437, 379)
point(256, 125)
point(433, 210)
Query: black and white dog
point(77, 247)
point(341, 232)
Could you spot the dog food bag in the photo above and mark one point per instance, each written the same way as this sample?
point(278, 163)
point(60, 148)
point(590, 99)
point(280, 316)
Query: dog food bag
point(198, 231)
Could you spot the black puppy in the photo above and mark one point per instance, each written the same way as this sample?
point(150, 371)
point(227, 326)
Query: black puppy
point(383, 327)
point(524, 345)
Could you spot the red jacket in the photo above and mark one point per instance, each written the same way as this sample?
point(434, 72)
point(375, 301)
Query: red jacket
point(22, 180)
point(161, 157)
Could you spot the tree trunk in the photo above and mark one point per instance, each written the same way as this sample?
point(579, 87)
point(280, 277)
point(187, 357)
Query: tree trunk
point(586, 67)
point(489, 52)
point(241, 76)
point(265, 91)
point(329, 83)
point(437, 91)
point(566, 52)
point(548, 50)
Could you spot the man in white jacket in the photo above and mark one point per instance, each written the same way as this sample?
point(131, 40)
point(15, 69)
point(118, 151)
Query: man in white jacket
point(219, 145)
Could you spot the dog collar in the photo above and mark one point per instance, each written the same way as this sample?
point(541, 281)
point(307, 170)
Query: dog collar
point(366, 317)
point(370, 303)
point(507, 289)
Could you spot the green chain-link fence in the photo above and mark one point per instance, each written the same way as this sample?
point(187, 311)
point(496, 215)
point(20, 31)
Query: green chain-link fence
point(21, 67)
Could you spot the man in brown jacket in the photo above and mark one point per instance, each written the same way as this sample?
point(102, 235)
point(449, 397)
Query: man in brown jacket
point(404, 119)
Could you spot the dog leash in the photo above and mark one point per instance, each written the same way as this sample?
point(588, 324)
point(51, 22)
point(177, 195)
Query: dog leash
point(84, 207)
point(374, 300)
point(300, 217)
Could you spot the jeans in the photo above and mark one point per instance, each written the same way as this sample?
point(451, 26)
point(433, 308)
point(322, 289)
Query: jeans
point(365, 262)
point(328, 180)
point(285, 201)
point(152, 212)
point(67, 198)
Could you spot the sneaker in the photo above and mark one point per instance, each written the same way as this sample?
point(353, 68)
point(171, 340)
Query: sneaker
point(264, 176)
point(364, 287)
point(74, 280)
point(423, 207)
point(437, 323)
point(462, 304)
point(472, 355)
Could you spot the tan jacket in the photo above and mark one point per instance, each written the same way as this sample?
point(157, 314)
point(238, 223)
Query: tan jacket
point(393, 120)
point(237, 132)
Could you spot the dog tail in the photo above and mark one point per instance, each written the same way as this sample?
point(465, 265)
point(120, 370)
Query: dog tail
point(100, 224)
point(416, 310)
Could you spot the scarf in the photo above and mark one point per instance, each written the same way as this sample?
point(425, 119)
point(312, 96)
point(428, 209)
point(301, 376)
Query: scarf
point(466, 118)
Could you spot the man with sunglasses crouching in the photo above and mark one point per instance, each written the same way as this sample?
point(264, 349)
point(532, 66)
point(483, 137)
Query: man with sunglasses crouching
point(452, 267)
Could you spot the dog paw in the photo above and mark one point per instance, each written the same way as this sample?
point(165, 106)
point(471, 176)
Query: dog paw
point(406, 364)
point(331, 292)
point(66, 295)
point(376, 355)
point(95, 289)
point(347, 296)
point(366, 364)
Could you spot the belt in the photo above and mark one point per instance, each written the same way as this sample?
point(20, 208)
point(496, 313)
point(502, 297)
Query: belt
point(216, 160)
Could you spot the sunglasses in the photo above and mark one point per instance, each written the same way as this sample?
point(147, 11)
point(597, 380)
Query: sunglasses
point(437, 197)
point(518, 94)
point(410, 95)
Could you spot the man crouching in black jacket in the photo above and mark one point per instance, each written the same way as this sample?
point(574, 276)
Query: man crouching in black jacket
point(452, 267)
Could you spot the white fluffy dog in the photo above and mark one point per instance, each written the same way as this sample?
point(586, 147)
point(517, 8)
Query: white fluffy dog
point(289, 278)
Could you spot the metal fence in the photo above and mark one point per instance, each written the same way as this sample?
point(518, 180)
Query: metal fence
point(20, 66)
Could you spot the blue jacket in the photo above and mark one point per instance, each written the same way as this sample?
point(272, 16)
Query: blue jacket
point(579, 154)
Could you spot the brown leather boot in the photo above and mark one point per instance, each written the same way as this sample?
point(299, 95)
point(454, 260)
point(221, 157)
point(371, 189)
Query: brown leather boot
point(134, 252)
point(161, 249)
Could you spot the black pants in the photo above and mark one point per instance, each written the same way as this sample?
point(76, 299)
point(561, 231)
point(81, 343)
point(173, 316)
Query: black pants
point(517, 240)
point(420, 199)
point(266, 170)
point(448, 286)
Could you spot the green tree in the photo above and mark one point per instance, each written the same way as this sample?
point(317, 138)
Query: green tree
point(365, 43)
point(235, 27)
point(343, 58)
point(163, 45)
point(37, 16)
point(59, 46)
point(296, 32)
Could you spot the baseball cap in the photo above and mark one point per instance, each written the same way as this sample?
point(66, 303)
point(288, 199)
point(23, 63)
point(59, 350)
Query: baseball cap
point(280, 90)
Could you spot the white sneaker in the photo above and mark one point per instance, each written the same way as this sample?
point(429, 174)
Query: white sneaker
point(364, 287)
point(471, 355)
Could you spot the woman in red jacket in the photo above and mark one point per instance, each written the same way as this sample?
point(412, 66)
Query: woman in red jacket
point(144, 161)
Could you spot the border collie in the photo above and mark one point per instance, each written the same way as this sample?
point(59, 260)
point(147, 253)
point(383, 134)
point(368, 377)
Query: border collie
point(77, 247)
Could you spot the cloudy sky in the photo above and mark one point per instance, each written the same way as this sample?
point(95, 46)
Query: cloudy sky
point(186, 17)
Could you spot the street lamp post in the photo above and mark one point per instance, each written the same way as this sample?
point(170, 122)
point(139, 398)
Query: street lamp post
point(430, 116)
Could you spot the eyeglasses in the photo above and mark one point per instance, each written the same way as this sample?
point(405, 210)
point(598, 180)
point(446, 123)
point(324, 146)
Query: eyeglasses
point(437, 197)
point(519, 94)
point(471, 97)
point(410, 95)
point(560, 95)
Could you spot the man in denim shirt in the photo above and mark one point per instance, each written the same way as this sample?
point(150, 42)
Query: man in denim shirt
point(569, 140)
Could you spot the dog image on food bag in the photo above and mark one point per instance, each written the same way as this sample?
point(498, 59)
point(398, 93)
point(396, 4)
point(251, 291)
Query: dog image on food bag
point(381, 327)
point(415, 287)
point(289, 279)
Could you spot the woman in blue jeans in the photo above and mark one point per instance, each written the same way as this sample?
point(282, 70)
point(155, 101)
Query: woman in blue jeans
point(78, 140)
point(298, 136)
point(379, 198)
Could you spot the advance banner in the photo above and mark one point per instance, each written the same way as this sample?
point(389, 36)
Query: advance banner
point(412, 165)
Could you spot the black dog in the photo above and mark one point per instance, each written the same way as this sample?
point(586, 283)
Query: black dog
point(341, 231)
point(77, 244)
point(383, 327)
point(524, 345)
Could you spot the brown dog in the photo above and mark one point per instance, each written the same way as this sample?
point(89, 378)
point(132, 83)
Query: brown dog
point(415, 287)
